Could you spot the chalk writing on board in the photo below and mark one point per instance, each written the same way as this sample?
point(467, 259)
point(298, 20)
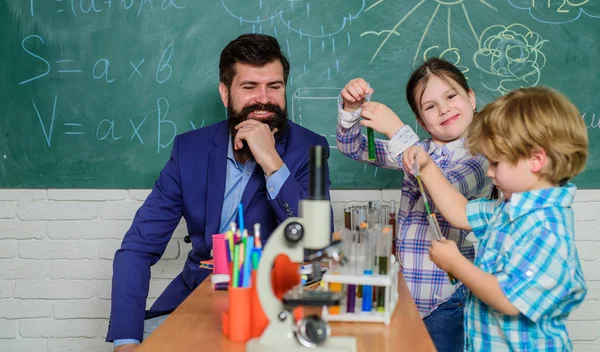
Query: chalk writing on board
point(343, 177)
point(591, 120)
point(558, 11)
point(281, 15)
point(292, 23)
point(47, 130)
point(80, 7)
point(101, 69)
point(306, 101)
point(449, 6)
point(507, 57)
point(105, 129)
point(111, 129)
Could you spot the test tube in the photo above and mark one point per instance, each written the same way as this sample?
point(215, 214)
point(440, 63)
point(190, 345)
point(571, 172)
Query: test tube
point(392, 222)
point(385, 215)
point(378, 213)
point(348, 217)
point(355, 222)
point(370, 214)
point(371, 143)
point(362, 217)
point(369, 263)
point(361, 239)
point(352, 238)
point(383, 253)
point(335, 268)
point(433, 223)
point(370, 135)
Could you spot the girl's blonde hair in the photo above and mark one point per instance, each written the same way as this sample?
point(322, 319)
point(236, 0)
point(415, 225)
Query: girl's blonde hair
point(513, 126)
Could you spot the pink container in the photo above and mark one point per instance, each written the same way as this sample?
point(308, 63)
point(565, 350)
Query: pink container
point(220, 254)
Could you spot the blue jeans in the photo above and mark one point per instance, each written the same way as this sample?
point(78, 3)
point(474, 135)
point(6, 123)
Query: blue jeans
point(445, 324)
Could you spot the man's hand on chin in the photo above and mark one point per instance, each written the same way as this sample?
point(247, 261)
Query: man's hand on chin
point(261, 141)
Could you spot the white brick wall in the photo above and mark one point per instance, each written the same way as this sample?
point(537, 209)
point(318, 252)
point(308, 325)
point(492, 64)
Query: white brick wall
point(57, 246)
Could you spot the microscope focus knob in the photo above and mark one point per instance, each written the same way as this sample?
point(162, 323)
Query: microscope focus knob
point(293, 232)
point(312, 331)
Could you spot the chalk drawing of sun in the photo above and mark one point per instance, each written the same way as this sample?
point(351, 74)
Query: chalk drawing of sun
point(507, 57)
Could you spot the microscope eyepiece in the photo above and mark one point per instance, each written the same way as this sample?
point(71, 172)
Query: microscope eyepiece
point(318, 172)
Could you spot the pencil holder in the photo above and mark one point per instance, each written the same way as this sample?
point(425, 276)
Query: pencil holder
point(259, 319)
point(239, 315)
point(225, 323)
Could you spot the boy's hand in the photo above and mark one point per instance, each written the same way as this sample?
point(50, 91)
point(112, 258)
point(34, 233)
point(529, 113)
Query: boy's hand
point(415, 153)
point(381, 118)
point(354, 94)
point(444, 254)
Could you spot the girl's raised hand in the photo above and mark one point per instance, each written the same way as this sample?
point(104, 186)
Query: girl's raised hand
point(354, 93)
point(381, 118)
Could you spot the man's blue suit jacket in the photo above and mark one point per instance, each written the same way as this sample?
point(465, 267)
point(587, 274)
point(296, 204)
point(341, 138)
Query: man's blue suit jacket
point(192, 185)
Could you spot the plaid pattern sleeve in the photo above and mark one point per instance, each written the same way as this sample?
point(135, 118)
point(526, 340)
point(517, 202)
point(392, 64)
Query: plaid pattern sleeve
point(352, 143)
point(479, 213)
point(469, 176)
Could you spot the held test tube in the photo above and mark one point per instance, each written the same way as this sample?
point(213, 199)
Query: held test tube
point(433, 223)
point(370, 134)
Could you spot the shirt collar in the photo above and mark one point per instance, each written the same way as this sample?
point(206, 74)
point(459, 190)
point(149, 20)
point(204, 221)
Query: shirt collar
point(525, 202)
point(231, 156)
point(447, 148)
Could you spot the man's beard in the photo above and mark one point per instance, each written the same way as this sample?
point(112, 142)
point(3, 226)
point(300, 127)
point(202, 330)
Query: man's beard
point(279, 121)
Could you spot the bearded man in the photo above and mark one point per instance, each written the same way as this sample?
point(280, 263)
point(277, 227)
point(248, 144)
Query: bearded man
point(256, 157)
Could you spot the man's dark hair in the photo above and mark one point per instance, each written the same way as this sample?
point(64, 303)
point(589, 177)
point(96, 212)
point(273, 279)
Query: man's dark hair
point(252, 49)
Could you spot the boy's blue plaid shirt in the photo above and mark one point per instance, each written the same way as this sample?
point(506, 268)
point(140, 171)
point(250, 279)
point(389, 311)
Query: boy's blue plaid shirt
point(429, 285)
point(528, 244)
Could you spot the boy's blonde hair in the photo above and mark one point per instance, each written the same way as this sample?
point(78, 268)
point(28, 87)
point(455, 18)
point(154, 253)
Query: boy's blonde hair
point(513, 126)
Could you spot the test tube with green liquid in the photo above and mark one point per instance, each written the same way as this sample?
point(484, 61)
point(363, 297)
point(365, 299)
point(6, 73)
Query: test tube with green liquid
point(370, 134)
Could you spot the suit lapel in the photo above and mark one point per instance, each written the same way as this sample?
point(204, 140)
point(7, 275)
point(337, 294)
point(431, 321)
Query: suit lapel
point(215, 187)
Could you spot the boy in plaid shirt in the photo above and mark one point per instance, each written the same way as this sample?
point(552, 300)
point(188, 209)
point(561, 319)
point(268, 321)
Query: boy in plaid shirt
point(527, 278)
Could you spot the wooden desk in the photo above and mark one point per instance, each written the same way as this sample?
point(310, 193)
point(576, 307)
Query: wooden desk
point(196, 326)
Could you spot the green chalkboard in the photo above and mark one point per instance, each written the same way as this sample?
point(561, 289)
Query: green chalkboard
point(92, 92)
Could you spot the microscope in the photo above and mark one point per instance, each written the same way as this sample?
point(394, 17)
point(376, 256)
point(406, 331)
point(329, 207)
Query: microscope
point(310, 232)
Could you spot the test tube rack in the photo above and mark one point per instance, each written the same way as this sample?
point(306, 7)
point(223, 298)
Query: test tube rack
point(389, 282)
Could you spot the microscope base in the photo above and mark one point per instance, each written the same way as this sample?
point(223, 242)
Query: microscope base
point(332, 344)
